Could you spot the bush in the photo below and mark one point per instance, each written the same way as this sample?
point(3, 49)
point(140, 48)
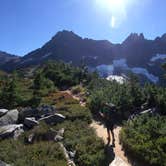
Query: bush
point(80, 137)
point(145, 139)
point(38, 154)
point(77, 89)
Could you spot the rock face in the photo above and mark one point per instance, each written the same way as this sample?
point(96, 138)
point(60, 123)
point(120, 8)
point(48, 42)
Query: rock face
point(3, 112)
point(53, 119)
point(11, 131)
point(30, 122)
point(10, 117)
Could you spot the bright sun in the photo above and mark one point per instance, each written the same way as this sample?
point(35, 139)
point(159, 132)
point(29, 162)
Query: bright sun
point(116, 9)
point(112, 5)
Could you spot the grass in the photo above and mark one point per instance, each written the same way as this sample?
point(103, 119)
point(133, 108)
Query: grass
point(78, 136)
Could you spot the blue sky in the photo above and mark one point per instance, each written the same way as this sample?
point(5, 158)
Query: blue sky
point(27, 24)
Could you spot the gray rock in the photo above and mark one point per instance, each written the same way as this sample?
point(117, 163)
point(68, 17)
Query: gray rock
point(58, 138)
point(61, 132)
point(3, 112)
point(53, 119)
point(45, 110)
point(151, 110)
point(11, 131)
point(31, 138)
point(38, 113)
point(10, 117)
point(3, 164)
point(72, 154)
point(30, 122)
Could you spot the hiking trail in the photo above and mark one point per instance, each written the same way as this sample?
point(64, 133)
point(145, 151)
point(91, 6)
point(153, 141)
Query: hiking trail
point(119, 156)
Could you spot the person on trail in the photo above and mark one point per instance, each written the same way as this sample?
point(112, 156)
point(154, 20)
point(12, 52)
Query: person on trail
point(108, 114)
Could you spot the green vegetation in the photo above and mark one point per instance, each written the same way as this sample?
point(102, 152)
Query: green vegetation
point(78, 137)
point(39, 154)
point(127, 97)
point(145, 139)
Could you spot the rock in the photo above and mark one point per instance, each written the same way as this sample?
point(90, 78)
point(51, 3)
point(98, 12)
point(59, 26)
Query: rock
point(58, 138)
point(3, 112)
point(61, 132)
point(27, 112)
point(10, 117)
point(3, 164)
point(151, 110)
point(31, 138)
point(30, 122)
point(72, 154)
point(38, 113)
point(53, 119)
point(11, 131)
point(45, 110)
point(118, 162)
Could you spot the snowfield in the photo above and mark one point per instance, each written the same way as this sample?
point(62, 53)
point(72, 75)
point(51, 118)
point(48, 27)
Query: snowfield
point(108, 70)
point(119, 79)
point(158, 57)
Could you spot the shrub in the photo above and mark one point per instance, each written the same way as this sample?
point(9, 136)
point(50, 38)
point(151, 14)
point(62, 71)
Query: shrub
point(38, 154)
point(145, 139)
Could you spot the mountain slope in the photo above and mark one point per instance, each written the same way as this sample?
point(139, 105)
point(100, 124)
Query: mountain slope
point(6, 57)
point(136, 54)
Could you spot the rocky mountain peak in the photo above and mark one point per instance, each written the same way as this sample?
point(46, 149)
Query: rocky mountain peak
point(134, 37)
point(62, 35)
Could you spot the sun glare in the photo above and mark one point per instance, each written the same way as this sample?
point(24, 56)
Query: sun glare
point(117, 9)
point(112, 5)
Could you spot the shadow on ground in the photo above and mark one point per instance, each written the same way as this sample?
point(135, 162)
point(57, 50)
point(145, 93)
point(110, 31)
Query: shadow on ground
point(110, 155)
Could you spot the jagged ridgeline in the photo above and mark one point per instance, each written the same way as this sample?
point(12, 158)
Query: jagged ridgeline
point(136, 54)
point(42, 124)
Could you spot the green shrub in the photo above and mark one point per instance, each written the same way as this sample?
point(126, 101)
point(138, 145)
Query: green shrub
point(80, 137)
point(145, 139)
point(38, 154)
point(77, 89)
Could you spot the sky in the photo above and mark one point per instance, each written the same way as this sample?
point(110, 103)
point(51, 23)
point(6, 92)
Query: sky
point(26, 25)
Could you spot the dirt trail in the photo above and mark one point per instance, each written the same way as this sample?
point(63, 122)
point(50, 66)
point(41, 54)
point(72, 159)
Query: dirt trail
point(120, 158)
point(102, 133)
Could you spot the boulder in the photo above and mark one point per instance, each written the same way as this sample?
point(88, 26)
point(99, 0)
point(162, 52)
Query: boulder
point(30, 122)
point(27, 112)
point(11, 131)
point(45, 110)
point(58, 138)
point(10, 117)
point(53, 119)
point(3, 164)
point(3, 112)
point(38, 113)
point(61, 132)
point(151, 110)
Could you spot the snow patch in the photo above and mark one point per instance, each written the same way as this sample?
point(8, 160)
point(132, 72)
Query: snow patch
point(143, 71)
point(119, 79)
point(47, 55)
point(158, 57)
point(120, 63)
point(106, 70)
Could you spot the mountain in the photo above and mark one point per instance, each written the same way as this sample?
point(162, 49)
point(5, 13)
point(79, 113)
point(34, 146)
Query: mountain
point(136, 54)
point(6, 57)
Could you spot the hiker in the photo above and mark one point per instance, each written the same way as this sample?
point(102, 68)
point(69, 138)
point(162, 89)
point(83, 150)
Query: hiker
point(108, 115)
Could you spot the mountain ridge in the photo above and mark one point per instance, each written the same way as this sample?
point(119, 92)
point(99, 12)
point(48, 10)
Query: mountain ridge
point(69, 47)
